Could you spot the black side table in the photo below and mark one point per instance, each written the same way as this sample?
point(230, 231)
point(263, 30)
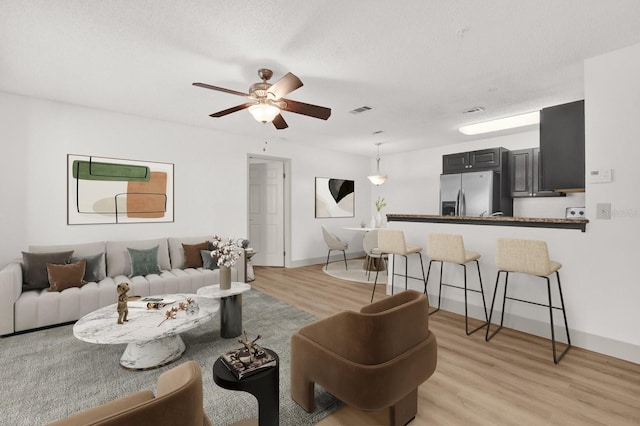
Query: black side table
point(265, 386)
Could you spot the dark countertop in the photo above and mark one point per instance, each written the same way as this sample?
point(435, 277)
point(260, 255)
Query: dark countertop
point(534, 222)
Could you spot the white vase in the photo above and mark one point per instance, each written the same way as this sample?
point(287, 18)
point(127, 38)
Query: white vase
point(378, 220)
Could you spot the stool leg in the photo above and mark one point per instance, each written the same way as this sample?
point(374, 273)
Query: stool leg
point(490, 335)
point(484, 304)
point(393, 274)
point(406, 275)
point(466, 316)
point(556, 358)
point(440, 289)
point(425, 287)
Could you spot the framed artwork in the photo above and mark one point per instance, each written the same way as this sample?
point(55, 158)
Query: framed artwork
point(110, 190)
point(335, 197)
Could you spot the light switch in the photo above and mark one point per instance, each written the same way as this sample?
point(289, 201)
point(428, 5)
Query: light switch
point(603, 211)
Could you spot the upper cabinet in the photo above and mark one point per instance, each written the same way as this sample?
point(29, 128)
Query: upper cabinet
point(562, 147)
point(484, 159)
point(524, 173)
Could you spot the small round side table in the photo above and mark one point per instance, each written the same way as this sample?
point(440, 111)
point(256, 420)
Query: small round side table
point(265, 386)
point(230, 306)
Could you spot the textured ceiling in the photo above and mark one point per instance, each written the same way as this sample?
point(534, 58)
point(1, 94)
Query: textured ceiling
point(419, 64)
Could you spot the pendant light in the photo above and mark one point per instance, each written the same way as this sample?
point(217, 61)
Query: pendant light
point(378, 179)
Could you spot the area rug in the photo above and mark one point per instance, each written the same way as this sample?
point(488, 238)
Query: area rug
point(354, 272)
point(47, 375)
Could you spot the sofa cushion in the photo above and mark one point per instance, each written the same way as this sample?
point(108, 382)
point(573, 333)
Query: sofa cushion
point(176, 251)
point(94, 269)
point(192, 257)
point(144, 261)
point(34, 266)
point(119, 263)
point(208, 261)
point(66, 276)
point(79, 250)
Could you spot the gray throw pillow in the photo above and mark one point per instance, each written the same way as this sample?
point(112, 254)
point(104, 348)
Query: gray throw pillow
point(93, 270)
point(34, 268)
point(144, 262)
point(208, 262)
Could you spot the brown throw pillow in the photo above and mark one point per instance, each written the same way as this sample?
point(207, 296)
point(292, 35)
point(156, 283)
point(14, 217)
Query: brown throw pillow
point(66, 276)
point(192, 258)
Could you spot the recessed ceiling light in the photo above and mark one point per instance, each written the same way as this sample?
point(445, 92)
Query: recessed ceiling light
point(502, 123)
point(472, 110)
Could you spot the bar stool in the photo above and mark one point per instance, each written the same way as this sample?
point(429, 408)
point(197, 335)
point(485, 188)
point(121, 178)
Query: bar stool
point(450, 248)
point(391, 241)
point(528, 257)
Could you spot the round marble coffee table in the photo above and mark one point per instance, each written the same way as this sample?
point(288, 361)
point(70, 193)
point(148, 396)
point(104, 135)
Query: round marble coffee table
point(230, 306)
point(151, 341)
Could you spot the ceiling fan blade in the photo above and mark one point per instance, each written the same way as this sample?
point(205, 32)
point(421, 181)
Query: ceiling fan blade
point(230, 110)
point(222, 89)
point(284, 86)
point(306, 109)
point(279, 122)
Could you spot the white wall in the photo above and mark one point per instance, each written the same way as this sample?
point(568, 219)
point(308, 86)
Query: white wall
point(599, 276)
point(210, 176)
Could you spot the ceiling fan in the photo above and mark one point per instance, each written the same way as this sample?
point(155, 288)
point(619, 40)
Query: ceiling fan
point(267, 100)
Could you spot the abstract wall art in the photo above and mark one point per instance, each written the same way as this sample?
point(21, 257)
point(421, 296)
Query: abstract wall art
point(335, 197)
point(110, 190)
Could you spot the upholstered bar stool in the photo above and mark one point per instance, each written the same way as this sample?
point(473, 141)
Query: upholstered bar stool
point(449, 248)
point(528, 257)
point(392, 241)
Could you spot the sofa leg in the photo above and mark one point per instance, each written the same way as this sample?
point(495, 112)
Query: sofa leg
point(405, 410)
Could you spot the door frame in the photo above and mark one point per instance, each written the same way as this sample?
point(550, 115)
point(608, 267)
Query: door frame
point(286, 197)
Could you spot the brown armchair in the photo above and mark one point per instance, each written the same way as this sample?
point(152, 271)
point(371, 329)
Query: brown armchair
point(370, 360)
point(178, 402)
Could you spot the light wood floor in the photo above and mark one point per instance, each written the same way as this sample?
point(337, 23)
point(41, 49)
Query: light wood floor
point(510, 380)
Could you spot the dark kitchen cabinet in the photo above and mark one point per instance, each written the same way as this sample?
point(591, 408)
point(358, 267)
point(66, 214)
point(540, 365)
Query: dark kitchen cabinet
point(524, 174)
point(562, 147)
point(484, 159)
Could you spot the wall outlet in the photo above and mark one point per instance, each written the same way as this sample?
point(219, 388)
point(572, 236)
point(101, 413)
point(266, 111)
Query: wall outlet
point(603, 211)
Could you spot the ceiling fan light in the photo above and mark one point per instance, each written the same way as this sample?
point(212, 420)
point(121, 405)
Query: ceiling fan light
point(377, 180)
point(264, 113)
point(502, 123)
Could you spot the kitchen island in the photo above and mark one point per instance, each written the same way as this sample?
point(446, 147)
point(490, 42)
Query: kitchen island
point(528, 222)
point(565, 246)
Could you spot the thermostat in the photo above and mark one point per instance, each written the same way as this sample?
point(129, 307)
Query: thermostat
point(600, 176)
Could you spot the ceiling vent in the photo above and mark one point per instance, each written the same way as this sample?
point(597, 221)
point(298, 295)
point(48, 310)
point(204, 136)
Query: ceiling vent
point(472, 110)
point(361, 109)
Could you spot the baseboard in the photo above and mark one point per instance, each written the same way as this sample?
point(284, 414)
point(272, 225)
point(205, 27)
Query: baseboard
point(591, 342)
point(335, 257)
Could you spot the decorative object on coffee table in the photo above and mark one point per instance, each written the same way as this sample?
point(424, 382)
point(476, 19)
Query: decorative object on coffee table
point(123, 310)
point(227, 254)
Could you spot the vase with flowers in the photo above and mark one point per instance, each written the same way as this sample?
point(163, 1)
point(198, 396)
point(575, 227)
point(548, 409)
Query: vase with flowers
point(380, 204)
point(226, 251)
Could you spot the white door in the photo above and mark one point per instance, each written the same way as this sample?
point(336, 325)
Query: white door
point(266, 211)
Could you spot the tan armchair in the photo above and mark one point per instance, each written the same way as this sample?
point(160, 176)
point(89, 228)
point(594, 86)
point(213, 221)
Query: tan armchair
point(371, 360)
point(178, 402)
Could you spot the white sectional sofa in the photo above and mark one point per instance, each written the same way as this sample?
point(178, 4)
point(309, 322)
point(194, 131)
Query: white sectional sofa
point(22, 310)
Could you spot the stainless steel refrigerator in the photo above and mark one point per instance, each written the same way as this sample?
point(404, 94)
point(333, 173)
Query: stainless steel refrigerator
point(470, 194)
